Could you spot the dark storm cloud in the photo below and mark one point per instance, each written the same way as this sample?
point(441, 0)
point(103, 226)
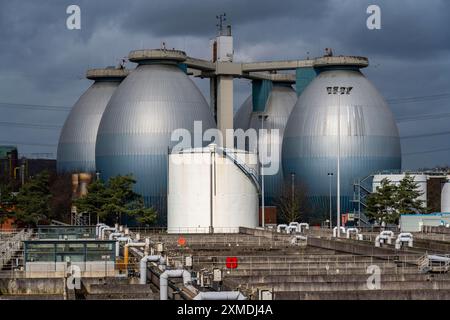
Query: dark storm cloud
point(42, 62)
point(197, 16)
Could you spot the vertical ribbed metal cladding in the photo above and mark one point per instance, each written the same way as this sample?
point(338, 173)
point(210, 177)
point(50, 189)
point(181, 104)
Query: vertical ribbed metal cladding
point(76, 146)
point(279, 105)
point(369, 136)
point(136, 127)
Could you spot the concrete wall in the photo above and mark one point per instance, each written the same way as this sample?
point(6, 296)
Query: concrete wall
point(60, 269)
point(364, 295)
point(32, 286)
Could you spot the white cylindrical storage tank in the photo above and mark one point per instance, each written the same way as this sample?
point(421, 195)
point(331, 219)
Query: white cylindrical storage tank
point(445, 196)
point(212, 190)
point(420, 179)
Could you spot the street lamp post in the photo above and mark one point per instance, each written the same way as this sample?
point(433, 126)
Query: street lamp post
point(338, 191)
point(330, 174)
point(339, 91)
point(293, 185)
point(263, 118)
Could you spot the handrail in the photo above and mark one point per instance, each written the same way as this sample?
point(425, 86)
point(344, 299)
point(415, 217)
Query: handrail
point(249, 172)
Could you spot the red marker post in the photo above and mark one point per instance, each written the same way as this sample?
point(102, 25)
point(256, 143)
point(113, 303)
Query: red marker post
point(231, 262)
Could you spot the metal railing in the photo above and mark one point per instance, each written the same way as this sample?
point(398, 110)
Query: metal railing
point(10, 244)
point(345, 264)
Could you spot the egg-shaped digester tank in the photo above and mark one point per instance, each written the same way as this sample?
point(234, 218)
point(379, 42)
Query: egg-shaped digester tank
point(277, 108)
point(134, 136)
point(369, 139)
point(76, 146)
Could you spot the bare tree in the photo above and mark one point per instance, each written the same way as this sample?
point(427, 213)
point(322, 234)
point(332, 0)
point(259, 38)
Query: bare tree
point(292, 202)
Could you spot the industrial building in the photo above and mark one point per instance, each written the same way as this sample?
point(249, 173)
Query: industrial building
point(131, 121)
point(418, 222)
point(211, 195)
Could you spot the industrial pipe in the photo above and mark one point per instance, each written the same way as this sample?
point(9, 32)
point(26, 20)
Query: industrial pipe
point(100, 228)
point(163, 280)
point(389, 233)
point(115, 234)
point(335, 231)
point(294, 223)
point(102, 233)
point(350, 230)
point(145, 244)
point(379, 238)
point(289, 229)
point(97, 228)
point(118, 240)
point(143, 266)
point(220, 295)
point(303, 224)
point(284, 226)
point(402, 238)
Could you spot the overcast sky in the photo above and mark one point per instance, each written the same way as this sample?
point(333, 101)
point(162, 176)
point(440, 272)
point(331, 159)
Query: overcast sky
point(43, 63)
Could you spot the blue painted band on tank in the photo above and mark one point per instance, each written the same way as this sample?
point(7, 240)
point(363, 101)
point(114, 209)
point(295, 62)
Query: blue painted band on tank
point(260, 93)
point(303, 77)
point(183, 67)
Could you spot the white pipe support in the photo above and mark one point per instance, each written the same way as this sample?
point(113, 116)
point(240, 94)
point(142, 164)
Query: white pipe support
point(143, 266)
